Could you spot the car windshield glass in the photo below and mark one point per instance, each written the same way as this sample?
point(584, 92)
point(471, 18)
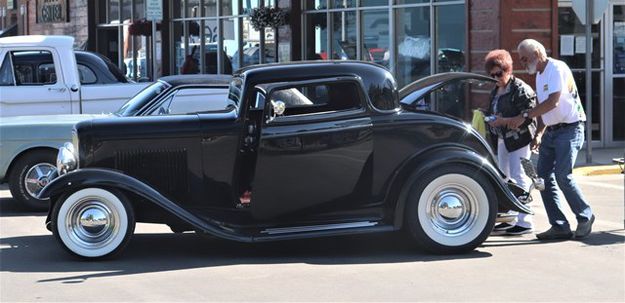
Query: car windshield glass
point(234, 91)
point(142, 98)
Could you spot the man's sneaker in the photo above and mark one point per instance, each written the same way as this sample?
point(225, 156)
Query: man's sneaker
point(556, 233)
point(518, 230)
point(500, 229)
point(584, 228)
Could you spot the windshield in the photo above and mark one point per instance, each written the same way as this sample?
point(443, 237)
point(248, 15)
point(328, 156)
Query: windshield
point(143, 97)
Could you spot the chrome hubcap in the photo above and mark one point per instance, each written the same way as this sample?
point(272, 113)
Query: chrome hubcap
point(452, 210)
point(91, 223)
point(37, 177)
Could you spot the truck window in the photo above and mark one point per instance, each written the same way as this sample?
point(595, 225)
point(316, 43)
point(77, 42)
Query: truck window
point(6, 73)
point(87, 76)
point(194, 100)
point(319, 98)
point(29, 71)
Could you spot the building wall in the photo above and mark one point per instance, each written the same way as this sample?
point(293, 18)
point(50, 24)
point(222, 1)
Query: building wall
point(502, 24)
point(76, 27)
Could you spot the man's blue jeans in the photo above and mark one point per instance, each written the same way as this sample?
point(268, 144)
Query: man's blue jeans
point(556, 158)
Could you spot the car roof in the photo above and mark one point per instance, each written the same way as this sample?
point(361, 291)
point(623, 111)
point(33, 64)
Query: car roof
point(211, 79)
point(39, 40)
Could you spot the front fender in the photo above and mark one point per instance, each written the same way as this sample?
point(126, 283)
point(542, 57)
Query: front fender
point(450, 155)
point(95, 177)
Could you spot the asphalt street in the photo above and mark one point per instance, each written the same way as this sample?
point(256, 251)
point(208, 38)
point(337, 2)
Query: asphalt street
point(161, 266)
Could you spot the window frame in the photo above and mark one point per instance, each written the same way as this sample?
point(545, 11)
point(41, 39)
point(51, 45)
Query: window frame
point(57, 67)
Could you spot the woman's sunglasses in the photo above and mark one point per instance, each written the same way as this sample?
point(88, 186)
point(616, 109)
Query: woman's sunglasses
point(497, 74)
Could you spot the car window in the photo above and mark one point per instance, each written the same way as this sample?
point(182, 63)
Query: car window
point(136, 103)
point(319, 98)
point(29, 72)
point(194, 100)
point(6, 73)
point(87, 76)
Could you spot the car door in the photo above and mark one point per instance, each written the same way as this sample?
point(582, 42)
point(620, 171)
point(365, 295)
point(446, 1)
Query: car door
point(218, 140)
point(316, 156)
point(32, 86)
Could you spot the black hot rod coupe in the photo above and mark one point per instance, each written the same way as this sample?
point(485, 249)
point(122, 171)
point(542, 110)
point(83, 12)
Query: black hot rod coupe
point(299, 150)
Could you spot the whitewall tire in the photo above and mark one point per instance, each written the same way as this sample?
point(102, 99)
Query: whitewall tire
point(93, 222)
point(451, 210)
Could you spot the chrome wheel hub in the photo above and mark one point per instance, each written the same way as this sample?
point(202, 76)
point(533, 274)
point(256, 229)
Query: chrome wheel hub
point(37, 177)
point(91, 223)
point(452, 210)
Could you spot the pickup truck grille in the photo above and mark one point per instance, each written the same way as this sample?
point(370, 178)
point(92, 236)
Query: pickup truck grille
point(165, 170)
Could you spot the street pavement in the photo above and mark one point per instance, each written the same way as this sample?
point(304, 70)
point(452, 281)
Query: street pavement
point(161, 266)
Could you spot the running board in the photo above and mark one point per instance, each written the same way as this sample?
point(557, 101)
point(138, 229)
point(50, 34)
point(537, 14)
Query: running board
point(313, 228)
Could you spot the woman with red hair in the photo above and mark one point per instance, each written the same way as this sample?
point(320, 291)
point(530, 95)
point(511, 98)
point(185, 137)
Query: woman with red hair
point(511, 97)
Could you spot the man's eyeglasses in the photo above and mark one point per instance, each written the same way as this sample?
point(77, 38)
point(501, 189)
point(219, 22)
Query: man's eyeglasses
point(497, 74)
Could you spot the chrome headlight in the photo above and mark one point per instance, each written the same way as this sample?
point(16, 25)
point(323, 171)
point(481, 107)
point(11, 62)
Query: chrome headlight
point(66, 159)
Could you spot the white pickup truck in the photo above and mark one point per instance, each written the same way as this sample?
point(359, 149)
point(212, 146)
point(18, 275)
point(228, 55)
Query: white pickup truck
point(39, 75)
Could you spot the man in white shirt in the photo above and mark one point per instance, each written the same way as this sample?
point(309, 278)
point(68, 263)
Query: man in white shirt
point(559, 137)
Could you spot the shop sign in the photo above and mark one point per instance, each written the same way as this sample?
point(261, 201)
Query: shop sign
point(154, 10)
point(51, 11)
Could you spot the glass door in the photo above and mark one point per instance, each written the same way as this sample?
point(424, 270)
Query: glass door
point(615, 69)
point(573, 51)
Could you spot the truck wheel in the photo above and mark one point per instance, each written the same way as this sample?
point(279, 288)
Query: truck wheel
point(29, 175)
point(451, 210)
point(93, 223)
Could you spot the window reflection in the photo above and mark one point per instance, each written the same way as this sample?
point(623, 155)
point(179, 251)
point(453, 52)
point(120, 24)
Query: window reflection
point(413, 44)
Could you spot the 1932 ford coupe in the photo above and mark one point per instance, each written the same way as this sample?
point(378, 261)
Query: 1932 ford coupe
point(300, 150)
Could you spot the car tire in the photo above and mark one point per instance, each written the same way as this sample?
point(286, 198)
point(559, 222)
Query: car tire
point(451, 210)
point(74, 227)
point(29, 174)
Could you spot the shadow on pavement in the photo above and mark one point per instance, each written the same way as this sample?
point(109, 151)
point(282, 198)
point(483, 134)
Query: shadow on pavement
point(9, 207)
point(599, 238)
point(149, 253)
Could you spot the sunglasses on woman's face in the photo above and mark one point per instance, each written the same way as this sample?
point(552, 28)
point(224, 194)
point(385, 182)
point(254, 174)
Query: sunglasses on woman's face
point(497, 74)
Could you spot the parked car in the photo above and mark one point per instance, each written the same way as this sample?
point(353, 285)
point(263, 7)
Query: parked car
point(300, 150)
point(30, 143)
point(43, 75)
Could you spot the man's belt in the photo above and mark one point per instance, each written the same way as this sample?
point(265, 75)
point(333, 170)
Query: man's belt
point(562, 125)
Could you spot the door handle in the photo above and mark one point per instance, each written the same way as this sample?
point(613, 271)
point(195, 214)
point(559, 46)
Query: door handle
point(58, 89)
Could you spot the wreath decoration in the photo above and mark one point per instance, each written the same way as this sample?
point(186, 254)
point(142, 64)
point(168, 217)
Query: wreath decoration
point(263, 17)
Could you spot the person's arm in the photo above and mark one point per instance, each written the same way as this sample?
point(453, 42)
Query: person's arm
point(552, 102)
point(540, 129)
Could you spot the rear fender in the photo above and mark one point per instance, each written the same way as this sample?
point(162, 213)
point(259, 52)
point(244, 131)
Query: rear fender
point(94, 177)
point(452, 155)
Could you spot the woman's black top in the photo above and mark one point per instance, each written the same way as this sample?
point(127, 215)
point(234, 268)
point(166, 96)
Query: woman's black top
point(518, 97)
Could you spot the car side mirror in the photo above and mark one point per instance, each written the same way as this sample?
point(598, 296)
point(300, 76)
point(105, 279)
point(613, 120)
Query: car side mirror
point(277, 109)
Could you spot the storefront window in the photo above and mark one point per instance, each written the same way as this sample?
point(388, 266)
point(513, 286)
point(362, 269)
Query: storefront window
point(373, 2)
point(569, 27)
point(316, 36)
point(113, 12)
point(450, 45)
point(344, 36)
point(375, 37)
point(413, 44)
point(618, 127)
point(312, 5)
point(343, 3)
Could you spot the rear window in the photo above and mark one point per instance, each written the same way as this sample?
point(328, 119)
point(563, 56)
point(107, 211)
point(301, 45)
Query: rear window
point(319, 98)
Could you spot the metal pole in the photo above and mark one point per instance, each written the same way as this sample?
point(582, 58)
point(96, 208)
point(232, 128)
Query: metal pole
point(154, 63)
point(589, 19)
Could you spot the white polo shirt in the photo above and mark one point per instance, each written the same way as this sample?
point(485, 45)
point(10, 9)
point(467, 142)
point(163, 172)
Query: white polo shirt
point(557, 77)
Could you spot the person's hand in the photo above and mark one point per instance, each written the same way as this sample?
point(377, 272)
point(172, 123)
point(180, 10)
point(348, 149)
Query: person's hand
point(535, 145)
point(500, 121)
point(515, 122)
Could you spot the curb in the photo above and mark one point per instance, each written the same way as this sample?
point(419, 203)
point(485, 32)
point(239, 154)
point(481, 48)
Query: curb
point(597, 170)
